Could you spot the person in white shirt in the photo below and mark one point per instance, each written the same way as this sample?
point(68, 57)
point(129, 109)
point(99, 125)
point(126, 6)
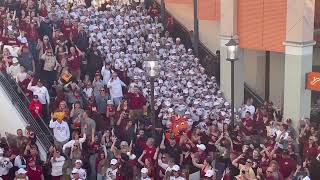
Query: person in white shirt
point(57, 162)
point(247, 107)
point(112, 171)
point(115, 86)
point(144, 174)
point(106, 73)
point(22, 75)
point(43, 95)
point(20, 161)
point(78, 168)
point(5, 164)
point(176, 173)
point(14, 69)
point(75, 174)
point(61, 132)
point(75, 139)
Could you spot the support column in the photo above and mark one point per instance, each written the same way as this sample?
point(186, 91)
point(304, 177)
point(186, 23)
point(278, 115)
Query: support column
point(297, 99)
point(298, 59)
point(228, 29)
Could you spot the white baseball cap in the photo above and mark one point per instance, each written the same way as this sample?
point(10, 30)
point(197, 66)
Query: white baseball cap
point(144, 170)
point(22, 171)
point(201, 147)
point(176, 168)
point(78, 161)
point(113, 162)
point(209, 173)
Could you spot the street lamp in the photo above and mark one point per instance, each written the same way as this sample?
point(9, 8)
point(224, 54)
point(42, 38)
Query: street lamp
point(152, 67)
point(232, 56)
point(163, 13)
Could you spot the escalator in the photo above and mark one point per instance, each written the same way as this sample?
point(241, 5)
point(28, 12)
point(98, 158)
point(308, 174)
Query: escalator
point(20, 103)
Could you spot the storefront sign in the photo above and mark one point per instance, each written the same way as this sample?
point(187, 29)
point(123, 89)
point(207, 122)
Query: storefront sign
point(313, 81)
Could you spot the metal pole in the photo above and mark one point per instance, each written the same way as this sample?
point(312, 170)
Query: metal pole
point(152, 107)
point(232, 94)
point(196, 27)
point(163, 13)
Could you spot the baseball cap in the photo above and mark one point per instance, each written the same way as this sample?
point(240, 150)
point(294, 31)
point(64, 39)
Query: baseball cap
point(22, 171)
point(201, 147)
point(113, 162)
point(144, 170)
point(176, 168)
point(209, 173)
point(78, 161)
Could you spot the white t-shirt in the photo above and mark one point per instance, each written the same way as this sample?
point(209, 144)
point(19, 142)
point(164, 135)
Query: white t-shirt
point(177, 178)
point(41, 92)
point(57, 165)
point(111, 174)
point(106, 74)
point(60, 130)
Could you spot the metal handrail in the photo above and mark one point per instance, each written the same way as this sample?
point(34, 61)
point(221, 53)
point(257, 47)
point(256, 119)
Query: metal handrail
point(43, 135)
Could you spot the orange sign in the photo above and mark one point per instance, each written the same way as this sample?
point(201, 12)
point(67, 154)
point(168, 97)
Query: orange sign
point(313, 81)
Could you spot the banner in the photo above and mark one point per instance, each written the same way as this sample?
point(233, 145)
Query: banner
point(313, 81)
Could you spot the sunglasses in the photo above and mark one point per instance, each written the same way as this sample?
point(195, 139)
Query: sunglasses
point(102, 90)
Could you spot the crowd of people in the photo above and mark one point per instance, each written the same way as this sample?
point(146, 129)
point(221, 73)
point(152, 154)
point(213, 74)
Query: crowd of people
point(80, 65)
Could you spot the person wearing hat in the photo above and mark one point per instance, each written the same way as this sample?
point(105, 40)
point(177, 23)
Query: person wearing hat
point(112, 170)
point(79, 170)
point(21, 174)
point(60, 128)
point(5, 166)
point(210, 175)
point(14, 69)
point(144, 174)
point(75, 175)
point(175, 173)
point(43, 95)
point(35, 107)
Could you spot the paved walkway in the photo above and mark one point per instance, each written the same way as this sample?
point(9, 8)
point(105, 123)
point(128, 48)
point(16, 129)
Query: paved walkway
point(209, 30)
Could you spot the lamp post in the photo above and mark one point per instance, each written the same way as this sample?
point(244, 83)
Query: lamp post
point(195, 27)
point(152, 68)
point(163, 13)
point(232, 56)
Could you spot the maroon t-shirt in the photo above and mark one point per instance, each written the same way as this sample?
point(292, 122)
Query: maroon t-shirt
point(286, 166)
point(136, 101)
point(34, 174)
point(74, 64)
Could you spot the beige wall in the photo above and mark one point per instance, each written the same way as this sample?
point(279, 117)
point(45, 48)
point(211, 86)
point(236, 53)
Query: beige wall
point(277, 78)
point(254, 67)
point(10, 117)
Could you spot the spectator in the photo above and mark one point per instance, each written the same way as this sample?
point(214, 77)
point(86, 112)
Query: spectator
point(14, 69)
point(60, 129)
point(21, 174)
point(57, 162)
point(34, 171)
point(136, 103)
point(42, 93)
point(35, 107)
point(115, 86)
